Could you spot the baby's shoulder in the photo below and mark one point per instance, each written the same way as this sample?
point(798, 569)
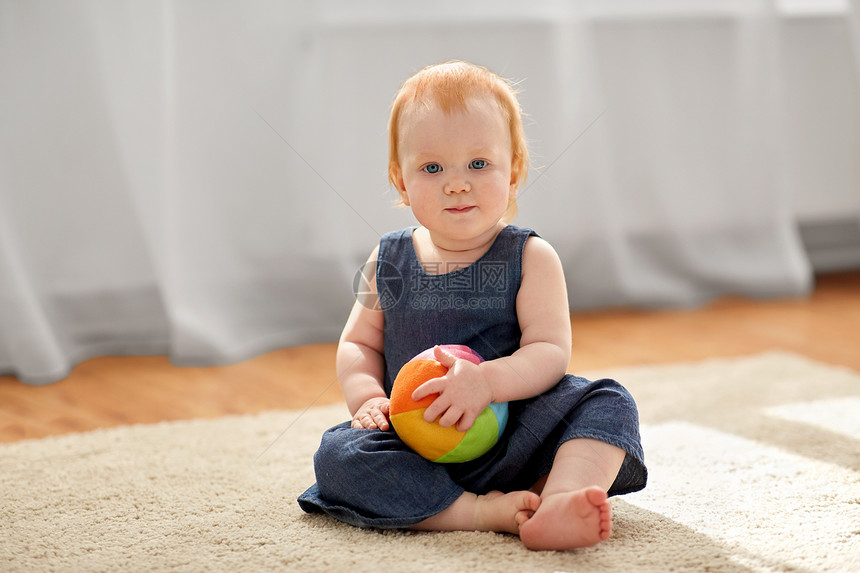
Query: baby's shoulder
point(539, 254)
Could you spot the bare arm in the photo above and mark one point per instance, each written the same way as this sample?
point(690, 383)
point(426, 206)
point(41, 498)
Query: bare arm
point(544, 316)
point(538, 365)
point(360, 361)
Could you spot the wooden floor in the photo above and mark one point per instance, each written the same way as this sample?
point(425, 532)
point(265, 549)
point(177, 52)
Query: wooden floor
point(111, 391)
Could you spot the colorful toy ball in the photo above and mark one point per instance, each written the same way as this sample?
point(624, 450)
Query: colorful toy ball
point(429, 439)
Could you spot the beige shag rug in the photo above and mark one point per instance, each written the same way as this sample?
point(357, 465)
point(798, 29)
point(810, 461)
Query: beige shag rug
point(754, 466)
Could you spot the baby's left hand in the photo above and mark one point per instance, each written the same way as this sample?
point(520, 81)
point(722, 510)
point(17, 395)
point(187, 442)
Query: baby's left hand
point(463, 392)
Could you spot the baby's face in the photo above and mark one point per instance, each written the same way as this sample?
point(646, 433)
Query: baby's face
point(455, 168)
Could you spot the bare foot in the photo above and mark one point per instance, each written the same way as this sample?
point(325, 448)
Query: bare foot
point(499, 511)
point(566, 520)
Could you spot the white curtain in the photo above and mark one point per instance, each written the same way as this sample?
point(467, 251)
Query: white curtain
point(203, 179)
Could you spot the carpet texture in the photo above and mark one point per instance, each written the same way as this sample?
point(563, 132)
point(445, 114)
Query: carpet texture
point(754, 466)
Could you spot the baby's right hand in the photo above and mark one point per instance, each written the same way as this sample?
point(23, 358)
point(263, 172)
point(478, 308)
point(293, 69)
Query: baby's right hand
point(372, 415)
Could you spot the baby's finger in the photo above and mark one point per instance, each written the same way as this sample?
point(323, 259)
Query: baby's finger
point(432, 386)
point(363, 420)
point(380, 420)
point(466, 422)
point(436, 409)
point(445, 358)
point(450, 417)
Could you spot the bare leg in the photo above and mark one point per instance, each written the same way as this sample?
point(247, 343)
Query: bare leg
point(496, 511)
point(574, 510)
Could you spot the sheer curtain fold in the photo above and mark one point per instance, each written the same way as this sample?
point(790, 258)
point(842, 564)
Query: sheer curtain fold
point(204, 179)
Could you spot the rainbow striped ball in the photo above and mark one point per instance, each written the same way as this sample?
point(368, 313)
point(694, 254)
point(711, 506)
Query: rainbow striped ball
point(429, 439)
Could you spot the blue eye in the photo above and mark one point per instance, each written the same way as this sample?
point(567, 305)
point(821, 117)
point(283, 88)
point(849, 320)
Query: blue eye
point(477, 164)
point(432, 168)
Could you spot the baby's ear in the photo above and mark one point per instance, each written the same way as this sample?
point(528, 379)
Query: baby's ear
point(396, 178)
point(519, 171)
point(515, 180)
point(404, 196)
point(514, 188)
point(511, 211)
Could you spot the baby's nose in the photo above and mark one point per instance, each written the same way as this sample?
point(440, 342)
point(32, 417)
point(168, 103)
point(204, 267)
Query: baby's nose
point(457, 184)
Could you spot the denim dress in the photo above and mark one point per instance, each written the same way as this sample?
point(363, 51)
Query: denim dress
point(370, 478)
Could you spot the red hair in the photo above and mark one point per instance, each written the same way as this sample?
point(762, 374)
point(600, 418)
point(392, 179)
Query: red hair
point(450, 86)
